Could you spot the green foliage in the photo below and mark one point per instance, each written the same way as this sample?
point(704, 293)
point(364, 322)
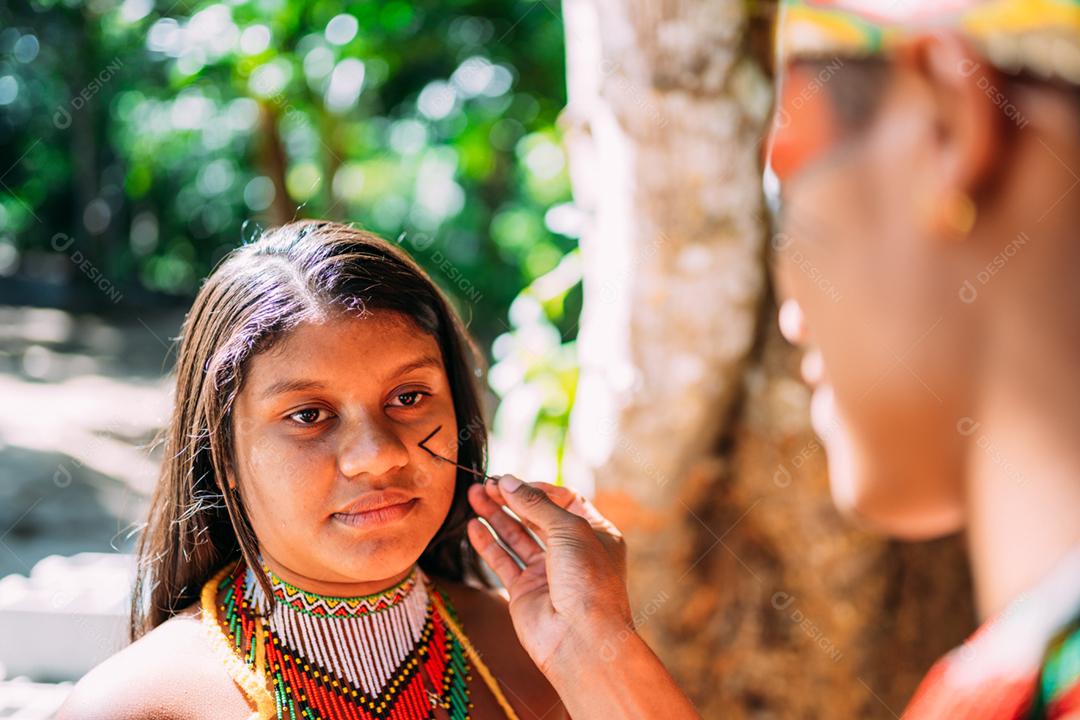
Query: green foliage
point(152, 134)
point(535, 374)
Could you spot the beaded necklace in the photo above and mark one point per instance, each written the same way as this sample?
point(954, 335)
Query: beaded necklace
point(395, 655)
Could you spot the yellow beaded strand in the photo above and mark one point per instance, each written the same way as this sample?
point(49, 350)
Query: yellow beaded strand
point(474, 656)
point(253, 684)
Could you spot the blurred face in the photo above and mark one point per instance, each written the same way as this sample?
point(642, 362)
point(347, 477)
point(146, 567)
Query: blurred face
point(872, 298)
point(327, 427)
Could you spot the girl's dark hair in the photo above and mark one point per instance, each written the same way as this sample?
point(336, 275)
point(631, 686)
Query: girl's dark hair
point(256, 295)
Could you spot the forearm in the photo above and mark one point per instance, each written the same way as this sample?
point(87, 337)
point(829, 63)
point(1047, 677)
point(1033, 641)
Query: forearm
point(616, 677)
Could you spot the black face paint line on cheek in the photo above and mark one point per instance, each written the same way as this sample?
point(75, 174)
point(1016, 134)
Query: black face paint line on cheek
point(423, 446)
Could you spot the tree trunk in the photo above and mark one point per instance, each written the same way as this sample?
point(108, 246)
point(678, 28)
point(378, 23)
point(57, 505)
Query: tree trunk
point(688, 426)
point(273, 163)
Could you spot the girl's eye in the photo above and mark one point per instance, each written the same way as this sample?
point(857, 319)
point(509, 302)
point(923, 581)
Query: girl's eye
point(408, 399)
point(307, 416)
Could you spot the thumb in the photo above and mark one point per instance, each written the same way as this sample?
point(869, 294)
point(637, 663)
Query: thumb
point(533, 505)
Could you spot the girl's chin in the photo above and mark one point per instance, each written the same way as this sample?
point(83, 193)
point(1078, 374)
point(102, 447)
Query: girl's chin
point(865, 492)
point(881, 505)
point(381, 566)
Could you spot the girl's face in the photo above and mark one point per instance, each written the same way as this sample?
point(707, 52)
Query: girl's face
point(871, 285)
point(327, 426)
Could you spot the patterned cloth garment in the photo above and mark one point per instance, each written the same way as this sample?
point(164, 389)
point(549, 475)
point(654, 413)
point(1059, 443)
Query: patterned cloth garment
point(1022, 664)
point(1041, 37)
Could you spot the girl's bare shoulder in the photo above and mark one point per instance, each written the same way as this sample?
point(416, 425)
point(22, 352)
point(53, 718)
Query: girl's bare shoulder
point(485, 618)
point(171, 673)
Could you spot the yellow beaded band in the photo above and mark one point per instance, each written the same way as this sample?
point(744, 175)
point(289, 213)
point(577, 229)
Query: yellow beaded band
point(1039, 36)
point(252, 682)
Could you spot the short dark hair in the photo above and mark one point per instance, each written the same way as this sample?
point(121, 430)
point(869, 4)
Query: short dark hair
point(856, 86)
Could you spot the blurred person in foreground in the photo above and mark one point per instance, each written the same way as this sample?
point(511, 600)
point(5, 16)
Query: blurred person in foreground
point(924, 159)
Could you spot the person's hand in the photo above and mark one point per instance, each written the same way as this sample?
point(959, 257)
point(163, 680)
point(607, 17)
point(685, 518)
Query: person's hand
point(572, 586)
point(569, 602)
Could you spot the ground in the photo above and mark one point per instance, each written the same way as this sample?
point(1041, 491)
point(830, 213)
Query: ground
point(83, 397)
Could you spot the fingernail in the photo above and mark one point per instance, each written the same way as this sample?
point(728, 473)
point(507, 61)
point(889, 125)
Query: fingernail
point(509, 483)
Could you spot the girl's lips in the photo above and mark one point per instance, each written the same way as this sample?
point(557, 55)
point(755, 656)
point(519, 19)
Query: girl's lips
point(380, 516)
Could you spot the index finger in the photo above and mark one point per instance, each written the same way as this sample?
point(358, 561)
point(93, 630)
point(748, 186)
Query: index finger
point(561, 495)
point(566, 498)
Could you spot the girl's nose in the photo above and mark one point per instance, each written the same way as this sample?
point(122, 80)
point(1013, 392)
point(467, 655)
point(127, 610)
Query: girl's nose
point(371, 447)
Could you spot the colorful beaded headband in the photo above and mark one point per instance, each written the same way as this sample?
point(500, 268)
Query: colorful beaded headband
point(1038, 36)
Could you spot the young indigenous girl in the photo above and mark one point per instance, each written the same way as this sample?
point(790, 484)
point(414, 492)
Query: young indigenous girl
point(305, 554)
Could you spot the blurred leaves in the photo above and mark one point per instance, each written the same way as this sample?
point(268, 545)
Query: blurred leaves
point(151, 131)
point(535, 375)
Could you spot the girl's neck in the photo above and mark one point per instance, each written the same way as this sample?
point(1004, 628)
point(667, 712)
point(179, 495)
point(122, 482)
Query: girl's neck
point(347, 589)
point(1023, 477)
